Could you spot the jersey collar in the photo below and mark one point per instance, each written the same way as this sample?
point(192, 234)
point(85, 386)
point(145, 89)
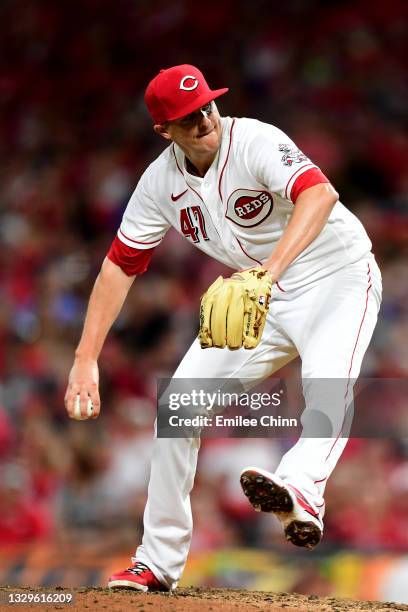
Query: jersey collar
point(218, 160)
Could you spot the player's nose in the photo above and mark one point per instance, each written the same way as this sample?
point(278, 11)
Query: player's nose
point(204, 122)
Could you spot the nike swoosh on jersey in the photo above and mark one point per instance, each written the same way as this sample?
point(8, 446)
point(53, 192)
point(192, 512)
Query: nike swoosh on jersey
point(177, 197)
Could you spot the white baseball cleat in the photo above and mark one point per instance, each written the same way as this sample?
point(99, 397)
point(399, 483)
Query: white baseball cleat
point(268, 493)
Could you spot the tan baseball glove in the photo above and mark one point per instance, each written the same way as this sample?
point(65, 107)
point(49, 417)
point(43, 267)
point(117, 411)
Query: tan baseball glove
point(233, 310)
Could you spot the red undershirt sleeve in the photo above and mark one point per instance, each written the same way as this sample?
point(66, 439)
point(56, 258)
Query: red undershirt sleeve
point(309, 178)
point(131, 260)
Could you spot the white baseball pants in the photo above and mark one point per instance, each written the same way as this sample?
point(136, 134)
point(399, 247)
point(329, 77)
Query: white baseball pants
point(328, 323)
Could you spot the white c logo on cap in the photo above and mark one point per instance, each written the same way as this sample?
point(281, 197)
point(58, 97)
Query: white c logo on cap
point(186, 87)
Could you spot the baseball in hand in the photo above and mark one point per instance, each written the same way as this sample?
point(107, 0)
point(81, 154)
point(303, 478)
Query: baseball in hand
point(77, 409)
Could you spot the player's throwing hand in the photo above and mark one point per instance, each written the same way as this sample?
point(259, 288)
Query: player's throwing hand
point(83, 382)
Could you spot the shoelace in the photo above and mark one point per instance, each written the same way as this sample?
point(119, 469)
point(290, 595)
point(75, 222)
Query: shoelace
point(138, 568)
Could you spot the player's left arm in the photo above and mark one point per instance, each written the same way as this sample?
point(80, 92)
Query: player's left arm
point(311, 212)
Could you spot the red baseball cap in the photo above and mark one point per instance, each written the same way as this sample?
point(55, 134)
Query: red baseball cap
point(178, 91)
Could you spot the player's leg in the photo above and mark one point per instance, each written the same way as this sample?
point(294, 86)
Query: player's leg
point(167, 518)
point(331, 323)
point(342, 314)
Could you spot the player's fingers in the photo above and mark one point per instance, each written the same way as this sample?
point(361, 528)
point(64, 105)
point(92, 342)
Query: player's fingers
point(83, 403)
point(96, 401)
point(69, 400)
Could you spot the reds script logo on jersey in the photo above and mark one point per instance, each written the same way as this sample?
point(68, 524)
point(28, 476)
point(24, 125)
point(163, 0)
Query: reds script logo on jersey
point(291, 155)
point(249, 207)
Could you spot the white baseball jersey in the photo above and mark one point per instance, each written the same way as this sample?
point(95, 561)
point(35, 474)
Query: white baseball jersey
point(239, 210)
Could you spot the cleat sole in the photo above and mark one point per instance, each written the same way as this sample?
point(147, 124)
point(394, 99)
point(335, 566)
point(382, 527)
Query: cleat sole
point(304, 534)
point(127, 584)
point(265, 495)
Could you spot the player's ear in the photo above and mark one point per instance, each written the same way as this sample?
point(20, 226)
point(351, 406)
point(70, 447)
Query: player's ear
point(162, 130)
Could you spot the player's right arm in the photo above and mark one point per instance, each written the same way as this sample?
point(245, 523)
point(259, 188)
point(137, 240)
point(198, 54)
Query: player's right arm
point(106, 300)
point(142, 229)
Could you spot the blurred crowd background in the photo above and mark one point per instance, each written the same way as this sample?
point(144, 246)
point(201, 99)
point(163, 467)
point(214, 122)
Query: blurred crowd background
point(74, 139)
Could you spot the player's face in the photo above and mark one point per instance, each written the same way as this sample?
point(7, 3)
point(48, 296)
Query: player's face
point(198, 133)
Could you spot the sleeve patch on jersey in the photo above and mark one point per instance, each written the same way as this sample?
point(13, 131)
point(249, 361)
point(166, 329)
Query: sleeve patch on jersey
point(291, 155)
point(310, 178)
point(131, 260)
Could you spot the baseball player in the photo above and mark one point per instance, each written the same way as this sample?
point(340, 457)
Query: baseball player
point(242, 192)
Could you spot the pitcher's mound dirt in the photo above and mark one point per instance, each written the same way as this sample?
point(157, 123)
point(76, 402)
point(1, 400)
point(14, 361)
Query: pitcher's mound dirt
point(194, 600)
